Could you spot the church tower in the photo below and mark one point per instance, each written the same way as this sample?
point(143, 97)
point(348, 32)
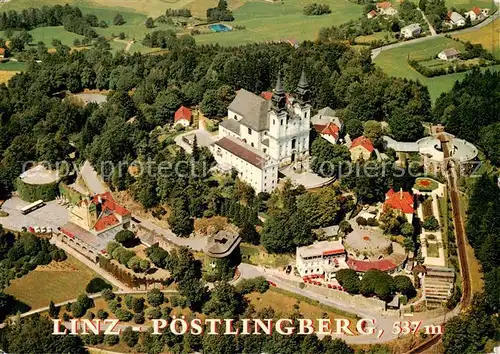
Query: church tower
point(277, 120)
point(303, 94)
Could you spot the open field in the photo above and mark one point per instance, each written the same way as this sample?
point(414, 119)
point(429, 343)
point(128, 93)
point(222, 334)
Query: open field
point(275, 21)
point(488, 36)
point(394, 62)
point(5, 76)
point(57, 282)
point(13, 66)
point(258, 256)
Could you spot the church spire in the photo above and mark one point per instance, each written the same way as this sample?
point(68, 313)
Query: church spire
point(279, 96)
point(303, 93)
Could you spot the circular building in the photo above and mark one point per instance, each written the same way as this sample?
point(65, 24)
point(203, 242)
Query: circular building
point(38, 183)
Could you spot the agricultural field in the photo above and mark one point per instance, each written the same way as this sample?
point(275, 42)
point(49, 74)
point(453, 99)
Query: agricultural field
point(9, 69)
point(58, 281)
point(394, 62)
point(488, 36)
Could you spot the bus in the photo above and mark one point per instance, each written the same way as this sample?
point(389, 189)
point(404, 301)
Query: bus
point(32, 207)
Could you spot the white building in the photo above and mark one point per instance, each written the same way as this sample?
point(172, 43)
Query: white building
point(321, 258)
point(327, 124)
point(449, 54)
point(411, 31)
point(254, 167)
point(277, 129)
point(455, 19)
point(385, 8)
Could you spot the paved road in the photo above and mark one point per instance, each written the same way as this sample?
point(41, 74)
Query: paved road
point(377, 51)
point(92, 180)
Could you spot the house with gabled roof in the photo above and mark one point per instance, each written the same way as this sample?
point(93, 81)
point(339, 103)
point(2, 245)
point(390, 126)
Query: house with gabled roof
point(361, 147)
point(449, 54)
point(183, 117)
point(385, 8)
point(475, 14)
point(402, 202)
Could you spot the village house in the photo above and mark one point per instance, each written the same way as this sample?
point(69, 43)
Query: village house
point(411, 31)
point(327, 125)
point(183, 117)
point(455, 19)
point(400, 201)
point(2, 53)
point(371, 14)
point(361, 147)
point(475, 14)
point(264, 133)
point(323, 258)
point(449, 54)
point(385, 8)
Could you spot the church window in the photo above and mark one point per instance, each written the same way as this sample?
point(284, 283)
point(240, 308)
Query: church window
point(282, 122)
point(305, 115)
point(249, 131)
point(251, 144)
point(274, 122)
point(235, 117)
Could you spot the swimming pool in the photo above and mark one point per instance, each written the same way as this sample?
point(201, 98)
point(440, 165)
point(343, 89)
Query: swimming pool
point(220, 28)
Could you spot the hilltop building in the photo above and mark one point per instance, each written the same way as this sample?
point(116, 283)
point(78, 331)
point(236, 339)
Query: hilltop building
point(361, 148)
point(323, 258)
point(400, 201)
point(264, 133)
point(183, 117)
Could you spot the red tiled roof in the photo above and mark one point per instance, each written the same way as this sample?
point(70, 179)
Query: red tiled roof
point(2, 51)
point(363, 266)
point(329, 129)
point(183, 113)
point(330, 252)
point(384, 5)
point(399, 200)
point(363, 142)
point(476, 10)
point(106, 222)
point(267, 95)
point(108, 203)
point(241, 151)
point(373, 13)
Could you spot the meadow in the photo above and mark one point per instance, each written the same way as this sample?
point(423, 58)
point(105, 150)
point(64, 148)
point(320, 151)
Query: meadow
point(57, 282)
point(488, 36)
point(394, 62)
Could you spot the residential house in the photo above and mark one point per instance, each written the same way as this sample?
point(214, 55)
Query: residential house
point(411, 31)
point(400, 201)
point(371, 14)
point(449, 54)
point(183, 117)
point(327, 124)
point(2, 53)
point(475, 14)
point(361, 147)
point(385, 8)
point(455, 19)
point(322, 258)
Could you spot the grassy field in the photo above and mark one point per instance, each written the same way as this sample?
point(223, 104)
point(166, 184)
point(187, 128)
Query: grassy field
point(258, 256)
point(13, 66)
point(274, 21)
point(394, 62)
point(488, 36)
point(57, 282)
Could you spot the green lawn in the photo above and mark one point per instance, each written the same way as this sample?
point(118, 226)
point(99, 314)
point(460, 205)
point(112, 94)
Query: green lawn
point(274, 21)
point(394, 62)
point(13, 66)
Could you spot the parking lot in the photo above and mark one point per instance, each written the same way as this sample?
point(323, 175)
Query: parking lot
point(50, 215)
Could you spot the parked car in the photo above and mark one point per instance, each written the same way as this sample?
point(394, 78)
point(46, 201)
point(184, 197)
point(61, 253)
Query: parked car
point(271, 283)
point(37, 229)
point(44, 230)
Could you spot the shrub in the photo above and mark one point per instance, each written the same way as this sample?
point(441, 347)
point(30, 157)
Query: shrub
point(130, 337)
point(96, 285)
point(139, 318)
point(361, 221)
point(123, 315)
point(107, 294)
point(430, 224)
point(153, 313)
point(78, 310)
point(316, 9)
point(247, 286)
point(102, 315)
point(155, 297)
point(111, 339)
point(125, 237)
point(372, 222)
point(138, 304)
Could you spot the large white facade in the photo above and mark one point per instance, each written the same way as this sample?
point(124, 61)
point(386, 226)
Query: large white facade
point(321, 258)
point(277, 129)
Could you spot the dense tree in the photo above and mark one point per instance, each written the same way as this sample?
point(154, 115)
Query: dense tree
point(130, 337)
point(155, 297)
point(403, 284)
point(96, 285)
point(327, 159)
point(53, 310)
point(225, 301)
point(220, 13)
point(349, 279)
point(354, 127)
point(376, 282)
point(118, 20)
point(179, 220)
point(158, 256)
point(430, 223)
point(405, 127)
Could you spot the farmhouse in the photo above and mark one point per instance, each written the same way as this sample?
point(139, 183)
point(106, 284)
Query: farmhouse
point(475, 14)
point(322, 258)
point(2, 53)
point(262, 134)
point(183, 117)
point(385, 8)
point(411, 31)
point(455, 19)
point(400, 201)
point(361, 147)
point(449, 54)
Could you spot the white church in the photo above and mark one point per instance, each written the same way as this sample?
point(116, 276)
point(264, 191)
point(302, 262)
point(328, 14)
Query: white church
point(262, 135)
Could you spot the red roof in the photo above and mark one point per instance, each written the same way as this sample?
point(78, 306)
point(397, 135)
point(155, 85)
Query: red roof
point(384, 5)
point(329, 129)
point(399, 200)
point(267, 95)
point(108, 203)
point(372, 13)
point(183, 113)
point(363, 266)
point(476, 10)
point(2, 51)
point(363, 142)
point(330, 252)
point(106, 222)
